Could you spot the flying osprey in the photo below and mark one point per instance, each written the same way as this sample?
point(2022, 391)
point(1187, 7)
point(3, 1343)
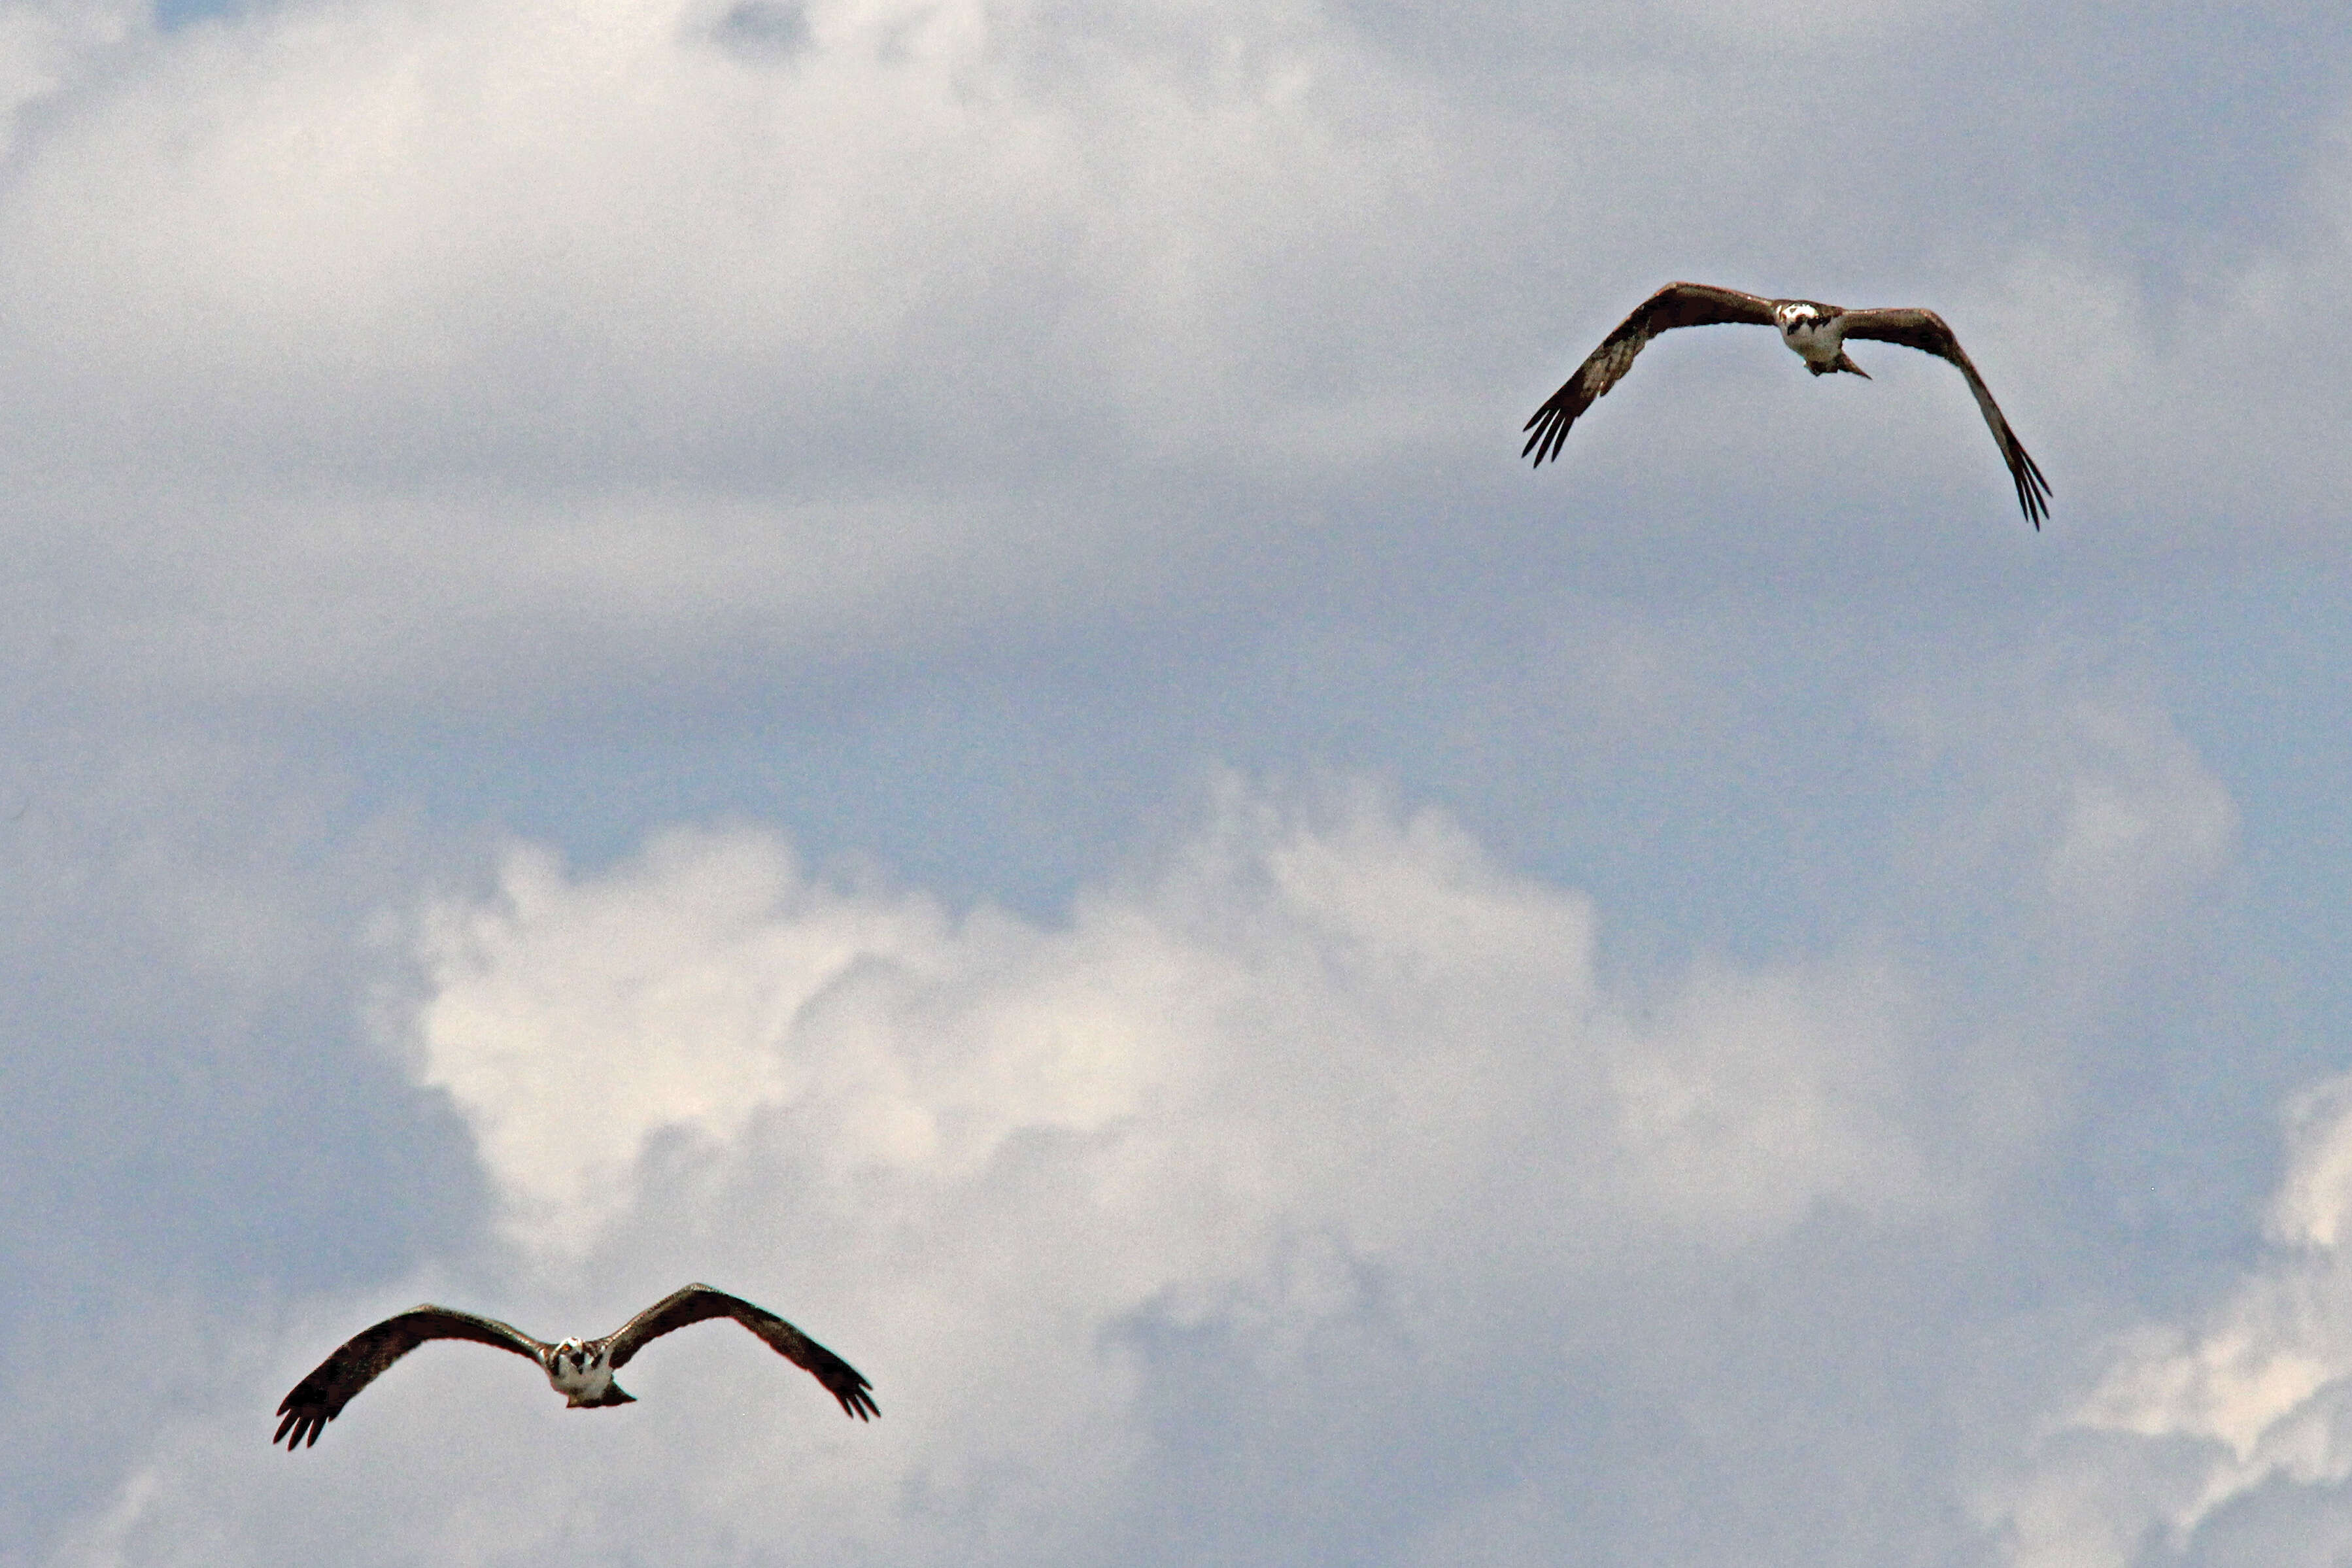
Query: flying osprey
point(1817, 332)
point(579, 1370)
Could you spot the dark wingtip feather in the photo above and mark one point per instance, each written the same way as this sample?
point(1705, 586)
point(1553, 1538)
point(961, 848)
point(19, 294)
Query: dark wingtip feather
point(299, 1429)
point(296, 1422)
point(846, 1383)
point(1550, 433)
point(1535, 440)
point(2033, 491)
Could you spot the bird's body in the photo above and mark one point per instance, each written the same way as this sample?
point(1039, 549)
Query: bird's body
point(1815, 333)
point(579, 1370)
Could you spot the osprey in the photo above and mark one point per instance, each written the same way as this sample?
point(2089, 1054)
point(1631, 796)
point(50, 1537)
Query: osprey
point(579, 1370)
point(1817, 332)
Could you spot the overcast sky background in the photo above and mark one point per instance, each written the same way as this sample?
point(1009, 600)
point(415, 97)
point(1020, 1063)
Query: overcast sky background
point(895, 655)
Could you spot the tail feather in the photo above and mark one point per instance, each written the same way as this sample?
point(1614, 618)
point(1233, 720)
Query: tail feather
point(613, 1394)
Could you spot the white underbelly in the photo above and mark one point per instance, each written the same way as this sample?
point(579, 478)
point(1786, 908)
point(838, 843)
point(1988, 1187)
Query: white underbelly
point(582, 1383)
point(1822, 345)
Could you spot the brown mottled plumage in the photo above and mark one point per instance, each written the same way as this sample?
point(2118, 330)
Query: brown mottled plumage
point(580, 1369)
point(1815, 332)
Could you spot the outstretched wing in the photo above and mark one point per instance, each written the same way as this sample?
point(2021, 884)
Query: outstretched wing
point(1926, 330)
point(697, 1302)
point(1675, 305)
point(361, 1359)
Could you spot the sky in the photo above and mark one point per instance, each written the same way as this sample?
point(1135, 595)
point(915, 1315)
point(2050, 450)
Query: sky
point(897, 656)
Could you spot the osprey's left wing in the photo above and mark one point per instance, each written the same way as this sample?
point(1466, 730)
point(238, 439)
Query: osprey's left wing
point(697, 1302)
point(1926, 330)
point(1675, 305)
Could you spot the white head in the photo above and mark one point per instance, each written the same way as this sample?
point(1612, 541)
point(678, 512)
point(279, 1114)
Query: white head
point(1796, 316)
point(578, 1372)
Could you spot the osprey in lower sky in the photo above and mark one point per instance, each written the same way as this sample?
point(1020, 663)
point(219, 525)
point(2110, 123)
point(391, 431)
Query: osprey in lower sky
point(1817, 332)
point(579, 1370)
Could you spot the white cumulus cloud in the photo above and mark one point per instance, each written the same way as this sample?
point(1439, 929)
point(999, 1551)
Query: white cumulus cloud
point(1286, 1021)
point(2226, 1438)
point(1322, 1159)
point(1322, 1117)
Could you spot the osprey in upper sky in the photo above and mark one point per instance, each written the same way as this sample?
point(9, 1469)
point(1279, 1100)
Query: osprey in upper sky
point(580, 1369)
point(1816, 332)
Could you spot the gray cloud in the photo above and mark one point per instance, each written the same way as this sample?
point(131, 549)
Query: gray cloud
point(1330, 1115)
point(404, 338)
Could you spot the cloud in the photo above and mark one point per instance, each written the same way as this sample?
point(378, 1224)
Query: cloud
point(524, 239)
point(2226, 1438)
point(1324, 1147)
point(1304, 1006)
point(572, 419)
point(1328, 1084)
point(2083, 804)
point(47, 49)
point(452, 320)
point(474, 354)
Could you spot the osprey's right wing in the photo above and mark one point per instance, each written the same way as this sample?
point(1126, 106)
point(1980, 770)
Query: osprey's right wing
point(361, 1359)
point(1675, 305)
